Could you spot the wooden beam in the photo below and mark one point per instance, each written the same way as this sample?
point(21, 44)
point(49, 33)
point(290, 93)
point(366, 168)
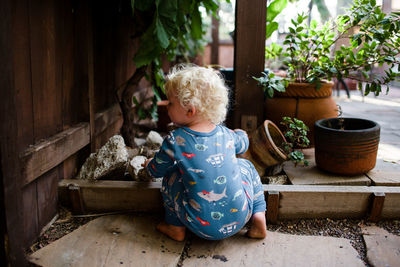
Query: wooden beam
point(78, 207)
point(42, 157)
point(273, 207)
point(309, 201)
point(47, 154)
point(284, 201)
point(90, 62)
point(215, 40)
point(249, 61)
point(12, 225)
point(114, 195)
point(377, 206)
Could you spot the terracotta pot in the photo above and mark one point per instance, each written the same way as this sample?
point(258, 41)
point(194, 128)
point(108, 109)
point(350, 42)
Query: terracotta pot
point(264, 146)
point(347, 148)
point(304, 102)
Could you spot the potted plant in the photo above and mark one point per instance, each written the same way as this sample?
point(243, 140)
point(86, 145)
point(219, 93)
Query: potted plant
point(312, 61)
point(296, 137)
point(269, 147)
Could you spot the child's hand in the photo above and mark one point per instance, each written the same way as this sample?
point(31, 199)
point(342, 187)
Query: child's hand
point(146, 162)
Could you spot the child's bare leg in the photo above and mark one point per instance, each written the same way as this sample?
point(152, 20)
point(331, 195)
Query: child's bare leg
point(175, 232)
point(258, 227)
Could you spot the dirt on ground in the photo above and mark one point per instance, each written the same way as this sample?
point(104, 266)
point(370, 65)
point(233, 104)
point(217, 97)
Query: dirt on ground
point(345, 228)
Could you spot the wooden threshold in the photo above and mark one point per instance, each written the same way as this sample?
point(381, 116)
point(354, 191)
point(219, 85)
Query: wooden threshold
point(285, 201)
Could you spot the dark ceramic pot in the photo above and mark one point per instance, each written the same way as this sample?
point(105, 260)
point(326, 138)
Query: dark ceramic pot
point(346, 146)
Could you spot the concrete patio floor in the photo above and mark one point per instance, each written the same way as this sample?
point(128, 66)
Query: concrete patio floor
point(125, 240)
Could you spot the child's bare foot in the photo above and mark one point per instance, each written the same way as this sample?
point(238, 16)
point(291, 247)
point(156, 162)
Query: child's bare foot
point(175, 232)
point(258, 227)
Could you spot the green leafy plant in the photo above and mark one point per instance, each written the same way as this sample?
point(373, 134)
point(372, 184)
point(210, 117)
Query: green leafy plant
point(273, 9)
point(271, 83)
point(296, 137)
point(166, 29)
point(312, 56)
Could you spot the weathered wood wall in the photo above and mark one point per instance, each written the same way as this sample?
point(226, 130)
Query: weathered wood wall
point(61, 64)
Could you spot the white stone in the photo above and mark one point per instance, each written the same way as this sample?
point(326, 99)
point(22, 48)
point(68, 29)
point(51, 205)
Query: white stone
point(111, 157)
point(135, 165)
point(154, 138)
point(139, 141)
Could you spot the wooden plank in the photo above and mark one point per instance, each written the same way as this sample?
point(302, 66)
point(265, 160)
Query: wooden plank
point(118, 240)
point(91, 85)
point(391, 207)
point(78, 207)
point(45, 155)
point(249, 59)
point(113, 129)
point(47, 196)
point(378, 199)
point(331, 201)
point(332, 189)
point(384, 178)
point(66, 51)
point(106, 118)
point(115, 195)
point(42, 157)
point(335, 205)
point(30, 212)
point(9, 132)
point(277, 249)
point(47, 103)
point(294, 201)
point(273, 207)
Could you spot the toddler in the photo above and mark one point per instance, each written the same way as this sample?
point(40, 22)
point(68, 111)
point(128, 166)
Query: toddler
point(205, 187)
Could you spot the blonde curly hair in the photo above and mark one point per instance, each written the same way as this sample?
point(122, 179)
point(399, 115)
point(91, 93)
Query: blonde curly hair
point(203, 88)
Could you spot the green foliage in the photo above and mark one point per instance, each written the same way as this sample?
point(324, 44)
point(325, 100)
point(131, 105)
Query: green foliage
point(176, 30)
point(271, 83)
point(309, 49)
point(296, 137)
point(273, 10)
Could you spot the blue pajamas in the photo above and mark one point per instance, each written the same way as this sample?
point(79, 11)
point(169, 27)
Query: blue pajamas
point(205, 187)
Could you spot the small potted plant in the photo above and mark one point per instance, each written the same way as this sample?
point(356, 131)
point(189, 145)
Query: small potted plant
point(313, 59)
point(296, 138)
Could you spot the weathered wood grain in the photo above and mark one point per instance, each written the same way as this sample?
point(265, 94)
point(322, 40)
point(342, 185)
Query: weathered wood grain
point(46, 155)
point(118, 240)
point(378, 199)
point(276, 249)
point(115, 195)
point(249, 59)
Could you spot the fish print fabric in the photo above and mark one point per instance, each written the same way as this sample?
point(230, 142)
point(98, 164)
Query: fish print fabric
point(205, 186)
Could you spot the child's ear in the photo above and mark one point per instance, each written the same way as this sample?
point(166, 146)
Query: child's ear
point(191, 111)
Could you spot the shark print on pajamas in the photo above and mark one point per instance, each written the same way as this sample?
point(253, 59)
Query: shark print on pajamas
point(205, 186)
point(211, 196)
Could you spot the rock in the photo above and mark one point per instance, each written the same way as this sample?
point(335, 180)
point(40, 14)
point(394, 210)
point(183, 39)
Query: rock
point(277, 179)
point(135, 165)
point(139, 141)
point(154, 138)
point(132, 152)
point(110, 159)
